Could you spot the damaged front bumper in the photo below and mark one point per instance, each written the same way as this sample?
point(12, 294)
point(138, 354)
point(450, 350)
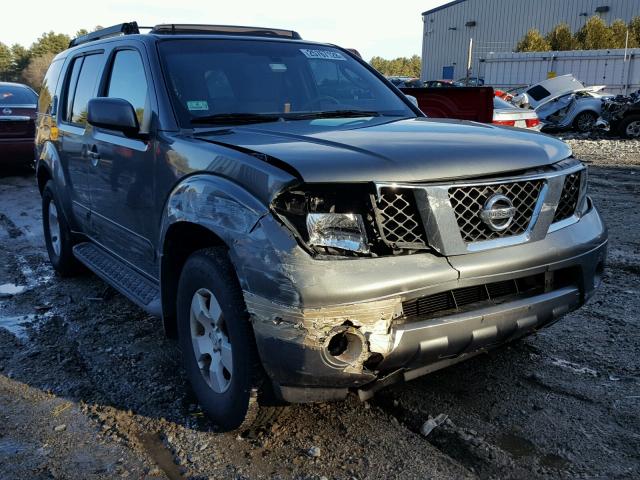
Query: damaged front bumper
point(354, 327)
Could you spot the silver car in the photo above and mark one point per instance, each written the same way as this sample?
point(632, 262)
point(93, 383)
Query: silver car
point(564, 102)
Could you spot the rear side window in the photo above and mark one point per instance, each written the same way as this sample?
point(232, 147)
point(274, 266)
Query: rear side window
point(70, 89)
point(85, 88)
point(538, 92)
point(16, 95)
point(128, 80)
point(49, 84)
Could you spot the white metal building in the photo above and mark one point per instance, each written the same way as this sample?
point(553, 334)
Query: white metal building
point(497, 26)
point(619, 70)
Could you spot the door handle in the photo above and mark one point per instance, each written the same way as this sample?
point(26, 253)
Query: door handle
point(94, 156)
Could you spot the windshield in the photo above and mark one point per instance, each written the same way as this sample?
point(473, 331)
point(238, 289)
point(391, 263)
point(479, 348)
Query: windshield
point(228, 80)
point(14, 95)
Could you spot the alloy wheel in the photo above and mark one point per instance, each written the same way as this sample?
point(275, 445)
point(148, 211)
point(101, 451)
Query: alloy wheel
point(54, 228)
point(633, 129)
point(210, 340)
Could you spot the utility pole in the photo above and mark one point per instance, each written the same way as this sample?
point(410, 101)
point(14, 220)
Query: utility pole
point(469, 56)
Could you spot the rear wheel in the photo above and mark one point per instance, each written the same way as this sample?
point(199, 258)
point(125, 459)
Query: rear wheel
point(630, 127)
point(585, 121)
point(218, 346)
point(57, 234)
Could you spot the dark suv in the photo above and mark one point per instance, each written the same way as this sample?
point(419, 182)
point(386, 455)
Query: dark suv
point(300, 226)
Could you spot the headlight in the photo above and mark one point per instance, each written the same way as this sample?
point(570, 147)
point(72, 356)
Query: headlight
point(335, 219)
point(337, 230)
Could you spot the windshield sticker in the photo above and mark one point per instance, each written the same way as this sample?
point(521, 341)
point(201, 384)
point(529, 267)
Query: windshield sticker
point(278, 67)
point(195, 105)
point(322, 54)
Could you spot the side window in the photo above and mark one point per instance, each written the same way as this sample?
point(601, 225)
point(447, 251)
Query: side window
point(128, 80)
point(70, 88)
point(85, 88)
point(48, 89)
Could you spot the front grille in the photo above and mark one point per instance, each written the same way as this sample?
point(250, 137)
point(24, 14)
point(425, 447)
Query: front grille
point(453, 301)
point(569, 197)
point(467, 203)
point(398, 218)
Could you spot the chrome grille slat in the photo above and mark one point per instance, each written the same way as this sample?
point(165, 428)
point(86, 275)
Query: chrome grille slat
point(467, 203)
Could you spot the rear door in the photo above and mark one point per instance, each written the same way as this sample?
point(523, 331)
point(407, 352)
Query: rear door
point(121, 168)
point(80, 85)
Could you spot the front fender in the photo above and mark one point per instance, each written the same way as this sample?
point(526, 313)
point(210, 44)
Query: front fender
point(215, 203)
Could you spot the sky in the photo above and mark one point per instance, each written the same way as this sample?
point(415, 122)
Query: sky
point(384, 28)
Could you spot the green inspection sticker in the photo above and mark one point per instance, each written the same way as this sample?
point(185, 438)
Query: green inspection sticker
point(194, 105)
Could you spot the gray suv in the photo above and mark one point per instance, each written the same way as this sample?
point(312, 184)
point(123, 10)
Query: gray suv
point(300, 226)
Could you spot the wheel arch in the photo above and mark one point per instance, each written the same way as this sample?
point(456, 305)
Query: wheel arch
point(202, 211)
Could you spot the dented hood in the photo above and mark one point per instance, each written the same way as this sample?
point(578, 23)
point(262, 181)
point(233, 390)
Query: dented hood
point(402, 150)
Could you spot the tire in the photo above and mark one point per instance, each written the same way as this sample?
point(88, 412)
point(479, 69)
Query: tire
point(585, 121)
point(57, 234)
point(218, 346)
point(630, 127)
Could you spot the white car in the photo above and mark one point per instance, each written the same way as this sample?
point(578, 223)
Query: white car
point(506, 114)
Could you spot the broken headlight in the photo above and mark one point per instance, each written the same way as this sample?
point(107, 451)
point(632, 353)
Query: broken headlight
point(329, 219)
point(344, 231)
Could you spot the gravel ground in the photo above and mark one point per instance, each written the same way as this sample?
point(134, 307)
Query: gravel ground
point(90, 388)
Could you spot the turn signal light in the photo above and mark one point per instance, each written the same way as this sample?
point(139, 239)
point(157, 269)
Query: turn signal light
point(532, 122)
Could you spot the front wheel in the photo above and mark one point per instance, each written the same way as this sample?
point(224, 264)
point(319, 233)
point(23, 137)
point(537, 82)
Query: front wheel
point(585, 122)
point(630, 127)
point(218, 347)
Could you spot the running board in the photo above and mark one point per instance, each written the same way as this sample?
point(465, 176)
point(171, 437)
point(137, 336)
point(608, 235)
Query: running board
point(133, 285)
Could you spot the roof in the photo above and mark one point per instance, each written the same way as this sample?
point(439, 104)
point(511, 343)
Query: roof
point(442, 7)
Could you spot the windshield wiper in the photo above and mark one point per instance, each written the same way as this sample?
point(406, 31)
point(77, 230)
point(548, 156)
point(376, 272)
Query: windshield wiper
point(235, 118)
point(331, 114)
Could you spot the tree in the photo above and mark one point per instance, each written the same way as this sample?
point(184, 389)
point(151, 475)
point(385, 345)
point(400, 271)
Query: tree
point(5, 61)
point(634, 29)
point(36, 70)
point(594, 35)
point(50, 43)
point(619, 31)
point(533, 41)
point(561, 38)
point(401, 66)
point(19, 60)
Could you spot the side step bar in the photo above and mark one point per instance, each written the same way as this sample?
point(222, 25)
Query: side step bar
point(139, 289)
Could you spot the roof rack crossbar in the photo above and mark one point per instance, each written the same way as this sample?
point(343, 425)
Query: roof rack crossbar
point(175, 28)
point(129, 28)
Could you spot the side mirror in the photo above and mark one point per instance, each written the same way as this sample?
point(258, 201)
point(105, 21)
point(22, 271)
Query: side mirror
point(113, 114)
point(413, 100)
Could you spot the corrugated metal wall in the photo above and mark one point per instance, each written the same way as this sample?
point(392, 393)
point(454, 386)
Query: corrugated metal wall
point(500, 24)
point(592, 67)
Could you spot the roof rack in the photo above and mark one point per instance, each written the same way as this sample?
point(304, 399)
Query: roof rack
point(120, 29)
point(175, 28)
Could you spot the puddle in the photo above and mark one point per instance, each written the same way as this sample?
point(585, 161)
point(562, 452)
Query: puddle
point(17, 325)
point(9, 448)
point(574, 367)
point(10, 289)
point(517, 446)
point(161, 455)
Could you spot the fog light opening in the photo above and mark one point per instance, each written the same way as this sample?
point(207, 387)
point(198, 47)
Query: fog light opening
point(346, 347)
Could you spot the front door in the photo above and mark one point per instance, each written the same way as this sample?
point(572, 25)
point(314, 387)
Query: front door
point(121, 169)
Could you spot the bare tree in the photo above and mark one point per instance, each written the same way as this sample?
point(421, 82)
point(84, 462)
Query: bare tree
point(36, 70)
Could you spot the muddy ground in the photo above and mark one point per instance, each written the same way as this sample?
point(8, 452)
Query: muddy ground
point(90, 388)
